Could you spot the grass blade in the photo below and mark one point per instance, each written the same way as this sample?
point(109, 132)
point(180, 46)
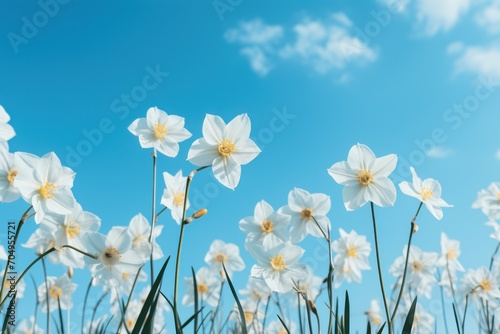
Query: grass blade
point(284, 325)
point(409, 318)
point(240, 309)
point(346, 313)
point(381, 328)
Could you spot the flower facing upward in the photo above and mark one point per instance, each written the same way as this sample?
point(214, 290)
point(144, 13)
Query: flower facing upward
point(207, 286)
point(225, 148)
point(365, 178)
point(427, 191)
point(227, 254)
point(481, 286)
point(278, 267)
point(161, 131)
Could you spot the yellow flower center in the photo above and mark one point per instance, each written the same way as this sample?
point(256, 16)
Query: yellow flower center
point(226, 148)
point(111, 256)
point(485, 285)
point(267, 226)
point(220, 258)
point(248, 317)
point(125, 275)
point(130, 323)
point(179, 199)
point(365, 176)
point(306, 213)
point(426, 193)
point(55, 292)
point(417, 266)
point(452, 254)
point(202, 288)
point(71, 230)
point(352, 251)
point(282, 331)
point(11, 175)
point(48, 190)
point(160, 130)
point(278, 263)
point(376, 320)
point(498, 196)
point(345, 269)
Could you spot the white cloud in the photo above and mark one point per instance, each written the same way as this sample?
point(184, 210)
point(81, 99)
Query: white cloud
point(258, 40)
point(497, 154)
point(435, 16)
point(489, 17)
point(480, 60)
point(439, 152)
point(455, 48)
point(326, 46)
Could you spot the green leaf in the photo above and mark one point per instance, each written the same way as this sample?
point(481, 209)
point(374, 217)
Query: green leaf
point(284, 325)
point(381, 328)
point(346, 313)
point(369, 328)
point(457, 321)
point(195, 286)
point(240, 309)
point(147, 311)
point(409, 318)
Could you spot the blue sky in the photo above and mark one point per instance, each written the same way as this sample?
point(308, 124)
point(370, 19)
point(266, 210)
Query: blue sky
point(410, 78)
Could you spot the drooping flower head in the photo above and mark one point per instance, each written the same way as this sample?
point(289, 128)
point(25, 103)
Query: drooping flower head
point(225, 148)
point(427, 191)
point(365, 177)
point(161, 131)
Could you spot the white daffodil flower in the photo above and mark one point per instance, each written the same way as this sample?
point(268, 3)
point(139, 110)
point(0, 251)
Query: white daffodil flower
point(174, 193)
point(160, 131)
point(427, 191)
point(6, 131)
point(225, 148)
point(365, 177)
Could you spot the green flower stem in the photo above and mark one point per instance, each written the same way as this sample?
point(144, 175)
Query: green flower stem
point(494, 254)
point(46, 294)
point(129, 297)
point(41, 256)
point(16, 235)
point(412, 230)
point(330, 273)
point(181, 236)
point(379, 266)
point(153, 218)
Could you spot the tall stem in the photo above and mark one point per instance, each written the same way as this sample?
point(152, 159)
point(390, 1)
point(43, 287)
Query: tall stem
point(181, 237)
point(153, 217)
point(379, 266)
point(412, 230)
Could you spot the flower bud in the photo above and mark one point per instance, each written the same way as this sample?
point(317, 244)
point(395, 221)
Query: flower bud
point(200, 213)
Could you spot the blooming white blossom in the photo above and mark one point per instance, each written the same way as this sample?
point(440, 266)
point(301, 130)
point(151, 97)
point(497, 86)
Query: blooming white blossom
point(45, 184)
point(256, 290)
point(352, 256)
point(310, 284)
point(496, 230)
point(58, 288)
point(139, 229)
point(427, 191)
point(481, 285)
point(488, 200)
point(421, 270)
point(423, 321)
point(208, 284)
point(8, 172)
point(374, 313)
point(448, 261)
point(278, 266)
point(115, 256)
point(303, 208)
point(27, 326)
point(6, 130)
point(20, 287)
point(253, 316)
point(225, 148)
point(174, 193)
point(159, 130)
point(227, 254)
point(365, 177)
point(69, 229)
point(123, 288)
point(266, 227)
point(132, 314)
point(44, 238)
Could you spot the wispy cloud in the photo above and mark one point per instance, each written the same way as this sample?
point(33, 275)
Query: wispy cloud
point(483, 60)
point(489, 17)
point(258, 40)
point(440, 152)
point(434, 16)
point(323, 45)
point(497, 154)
